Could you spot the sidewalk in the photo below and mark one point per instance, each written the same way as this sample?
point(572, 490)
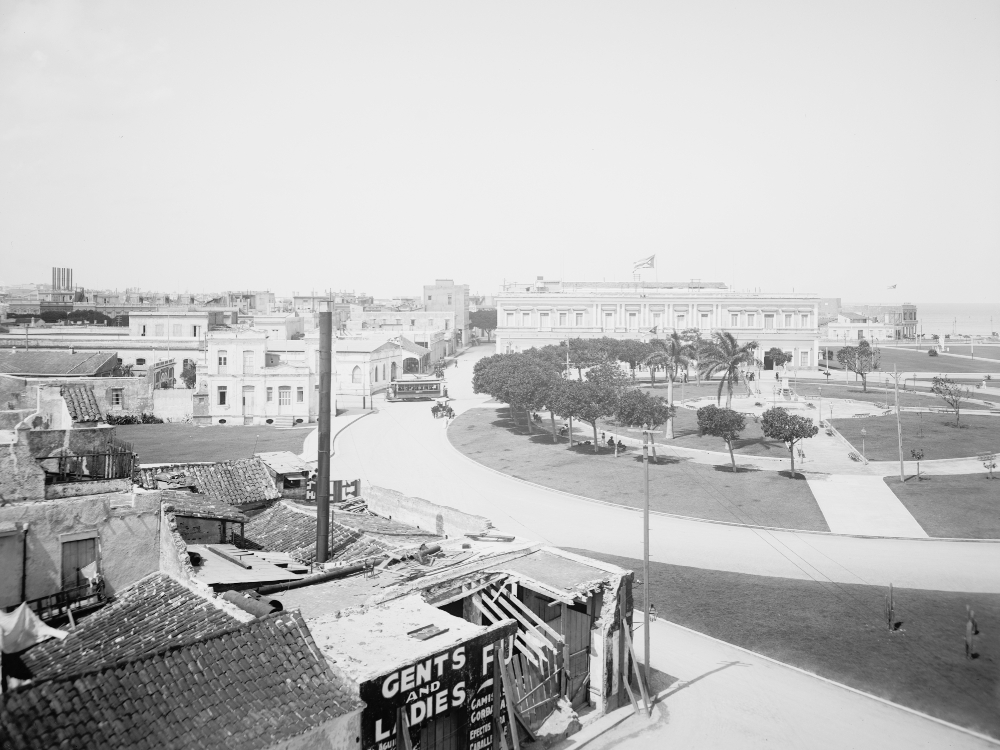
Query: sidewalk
point(728, 698)
point(863, 505)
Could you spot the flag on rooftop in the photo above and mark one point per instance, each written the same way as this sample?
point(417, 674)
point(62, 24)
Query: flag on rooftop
point(892, 287)
point(649, 262)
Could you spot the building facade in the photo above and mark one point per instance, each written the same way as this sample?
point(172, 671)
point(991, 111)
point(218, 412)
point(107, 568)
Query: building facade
point(901, 319)
point(542, 313)
point(444, 295)
point(852, 327)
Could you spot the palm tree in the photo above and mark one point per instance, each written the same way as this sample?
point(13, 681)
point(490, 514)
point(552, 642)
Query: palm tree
point(673, 353)
point(723, 353)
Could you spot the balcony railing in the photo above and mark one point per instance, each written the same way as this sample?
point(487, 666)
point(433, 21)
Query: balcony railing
point(116, 462)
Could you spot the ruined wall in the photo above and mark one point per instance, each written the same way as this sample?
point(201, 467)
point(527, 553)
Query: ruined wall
point(173, 556)
point(173, 404)
point(11, 564)
point(21, 478)
point(609, 653)
point(423, 514)
point(127, 529)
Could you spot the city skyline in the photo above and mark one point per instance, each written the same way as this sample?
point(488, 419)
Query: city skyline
point(835, 150)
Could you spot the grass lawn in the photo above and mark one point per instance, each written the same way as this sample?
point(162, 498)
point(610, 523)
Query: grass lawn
point(976, 435)
point(180, 442)
point(964, 505)
point(839, 632)
point(767, 498)
point(911, 360)
point(990, 351)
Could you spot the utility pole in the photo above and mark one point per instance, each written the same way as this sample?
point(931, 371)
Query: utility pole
point(647, 439)
point(899, 426)
point(323, 457)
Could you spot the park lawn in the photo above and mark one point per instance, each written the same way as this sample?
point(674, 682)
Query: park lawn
point(838, 632)
point(912, 360)
point(989, 351)
point(182, 442)
point(961, 505)
point(678, 486)
point(977, 434)
point(909, 395)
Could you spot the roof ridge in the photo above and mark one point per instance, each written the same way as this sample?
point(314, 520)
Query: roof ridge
point(165, 650)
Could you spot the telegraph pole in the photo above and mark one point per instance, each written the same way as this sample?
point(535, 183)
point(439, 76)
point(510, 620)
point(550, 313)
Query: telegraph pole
point(323, 457)
point(647, 440)
point(899, 425)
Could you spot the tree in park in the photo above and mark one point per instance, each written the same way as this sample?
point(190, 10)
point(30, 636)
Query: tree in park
point(586, 400)
point(697, 343)
point(484, 320)
point(672, 353)
point(778, 357)
point(724, 354)
point(951, 392)
point(861, 360)
point(917, 454)
point(727, 424)
point(517, 380)
point(632, 352)
point(639, 409)
point(778, 424)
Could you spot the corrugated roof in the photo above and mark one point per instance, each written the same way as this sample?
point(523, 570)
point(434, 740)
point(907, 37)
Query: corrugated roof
point(81, 364)
point(81, 402)
point(283, 462)
point(252, 686)
point(151, 614)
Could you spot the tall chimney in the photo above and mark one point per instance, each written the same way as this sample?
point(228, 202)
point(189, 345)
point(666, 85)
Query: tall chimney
point(323, 459)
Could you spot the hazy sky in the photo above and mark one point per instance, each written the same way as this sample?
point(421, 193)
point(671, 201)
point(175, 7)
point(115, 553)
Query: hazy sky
point(834, 147)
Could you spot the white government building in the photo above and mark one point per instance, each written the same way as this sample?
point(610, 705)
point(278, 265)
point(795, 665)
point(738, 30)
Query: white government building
point(546, 312)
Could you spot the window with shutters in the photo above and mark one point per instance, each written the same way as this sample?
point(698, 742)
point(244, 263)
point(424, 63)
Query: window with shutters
point(300, 395)
point(117, 398)
point(788, 320)
point(633, 321)
point(269, 394)
point(704, 321)
point(525, 319)
point(248, 363)
point(734, 320)
point(768, 322)
point(579, 319)
point(284, 395)
point(805, 320)
point(562, 319)
point(681, 321)
point(77, 555)
point(175, 329)
point(510, 320)
point(804, 359)
point(223, 360)
point(751, 320)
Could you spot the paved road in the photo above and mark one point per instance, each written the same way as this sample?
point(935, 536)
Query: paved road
point(404, 448)
point(730, 698)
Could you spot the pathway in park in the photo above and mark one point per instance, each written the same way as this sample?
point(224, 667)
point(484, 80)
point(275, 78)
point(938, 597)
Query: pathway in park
point(862, 505)
point(404, 448)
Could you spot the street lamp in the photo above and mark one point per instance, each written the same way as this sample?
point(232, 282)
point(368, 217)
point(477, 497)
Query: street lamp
point(863, 433)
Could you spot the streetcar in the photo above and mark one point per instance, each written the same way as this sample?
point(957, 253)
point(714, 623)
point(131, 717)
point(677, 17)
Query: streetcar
point(417, 388)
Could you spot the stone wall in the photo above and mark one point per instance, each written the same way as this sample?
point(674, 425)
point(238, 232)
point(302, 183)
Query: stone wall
point(127, 527)
point(21, 478)
point(423, 514)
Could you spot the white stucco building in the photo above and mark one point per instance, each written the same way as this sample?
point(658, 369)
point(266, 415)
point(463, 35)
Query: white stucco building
point(547, 312)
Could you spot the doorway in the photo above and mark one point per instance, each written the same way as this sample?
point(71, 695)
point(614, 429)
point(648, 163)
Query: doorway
point(248, 404)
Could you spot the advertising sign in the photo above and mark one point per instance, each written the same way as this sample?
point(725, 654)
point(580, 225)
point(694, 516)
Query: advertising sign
point(457, 682)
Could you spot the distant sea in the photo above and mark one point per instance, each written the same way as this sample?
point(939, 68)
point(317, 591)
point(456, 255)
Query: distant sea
point(951, 318)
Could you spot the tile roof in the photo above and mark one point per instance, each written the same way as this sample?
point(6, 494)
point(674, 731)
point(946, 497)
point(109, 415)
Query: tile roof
point(285, 530)
point(196, 505)
point(57, 363)
point(392, 532)
point(81, 402)
point(252, 686)
point(240, 481)
point(153, 613)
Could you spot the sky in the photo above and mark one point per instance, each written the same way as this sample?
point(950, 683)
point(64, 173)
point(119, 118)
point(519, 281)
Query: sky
point(828, 147)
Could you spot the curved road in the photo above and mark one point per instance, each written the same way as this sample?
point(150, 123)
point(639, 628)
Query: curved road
point(402, 447)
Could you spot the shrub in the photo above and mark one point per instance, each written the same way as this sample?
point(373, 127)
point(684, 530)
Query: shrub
point(932, 352)
point(123, 419)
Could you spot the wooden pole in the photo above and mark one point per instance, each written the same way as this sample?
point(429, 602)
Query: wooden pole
point(323, 457)
point(899, 425)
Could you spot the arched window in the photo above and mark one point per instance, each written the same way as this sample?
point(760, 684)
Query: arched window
point(356, 375)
